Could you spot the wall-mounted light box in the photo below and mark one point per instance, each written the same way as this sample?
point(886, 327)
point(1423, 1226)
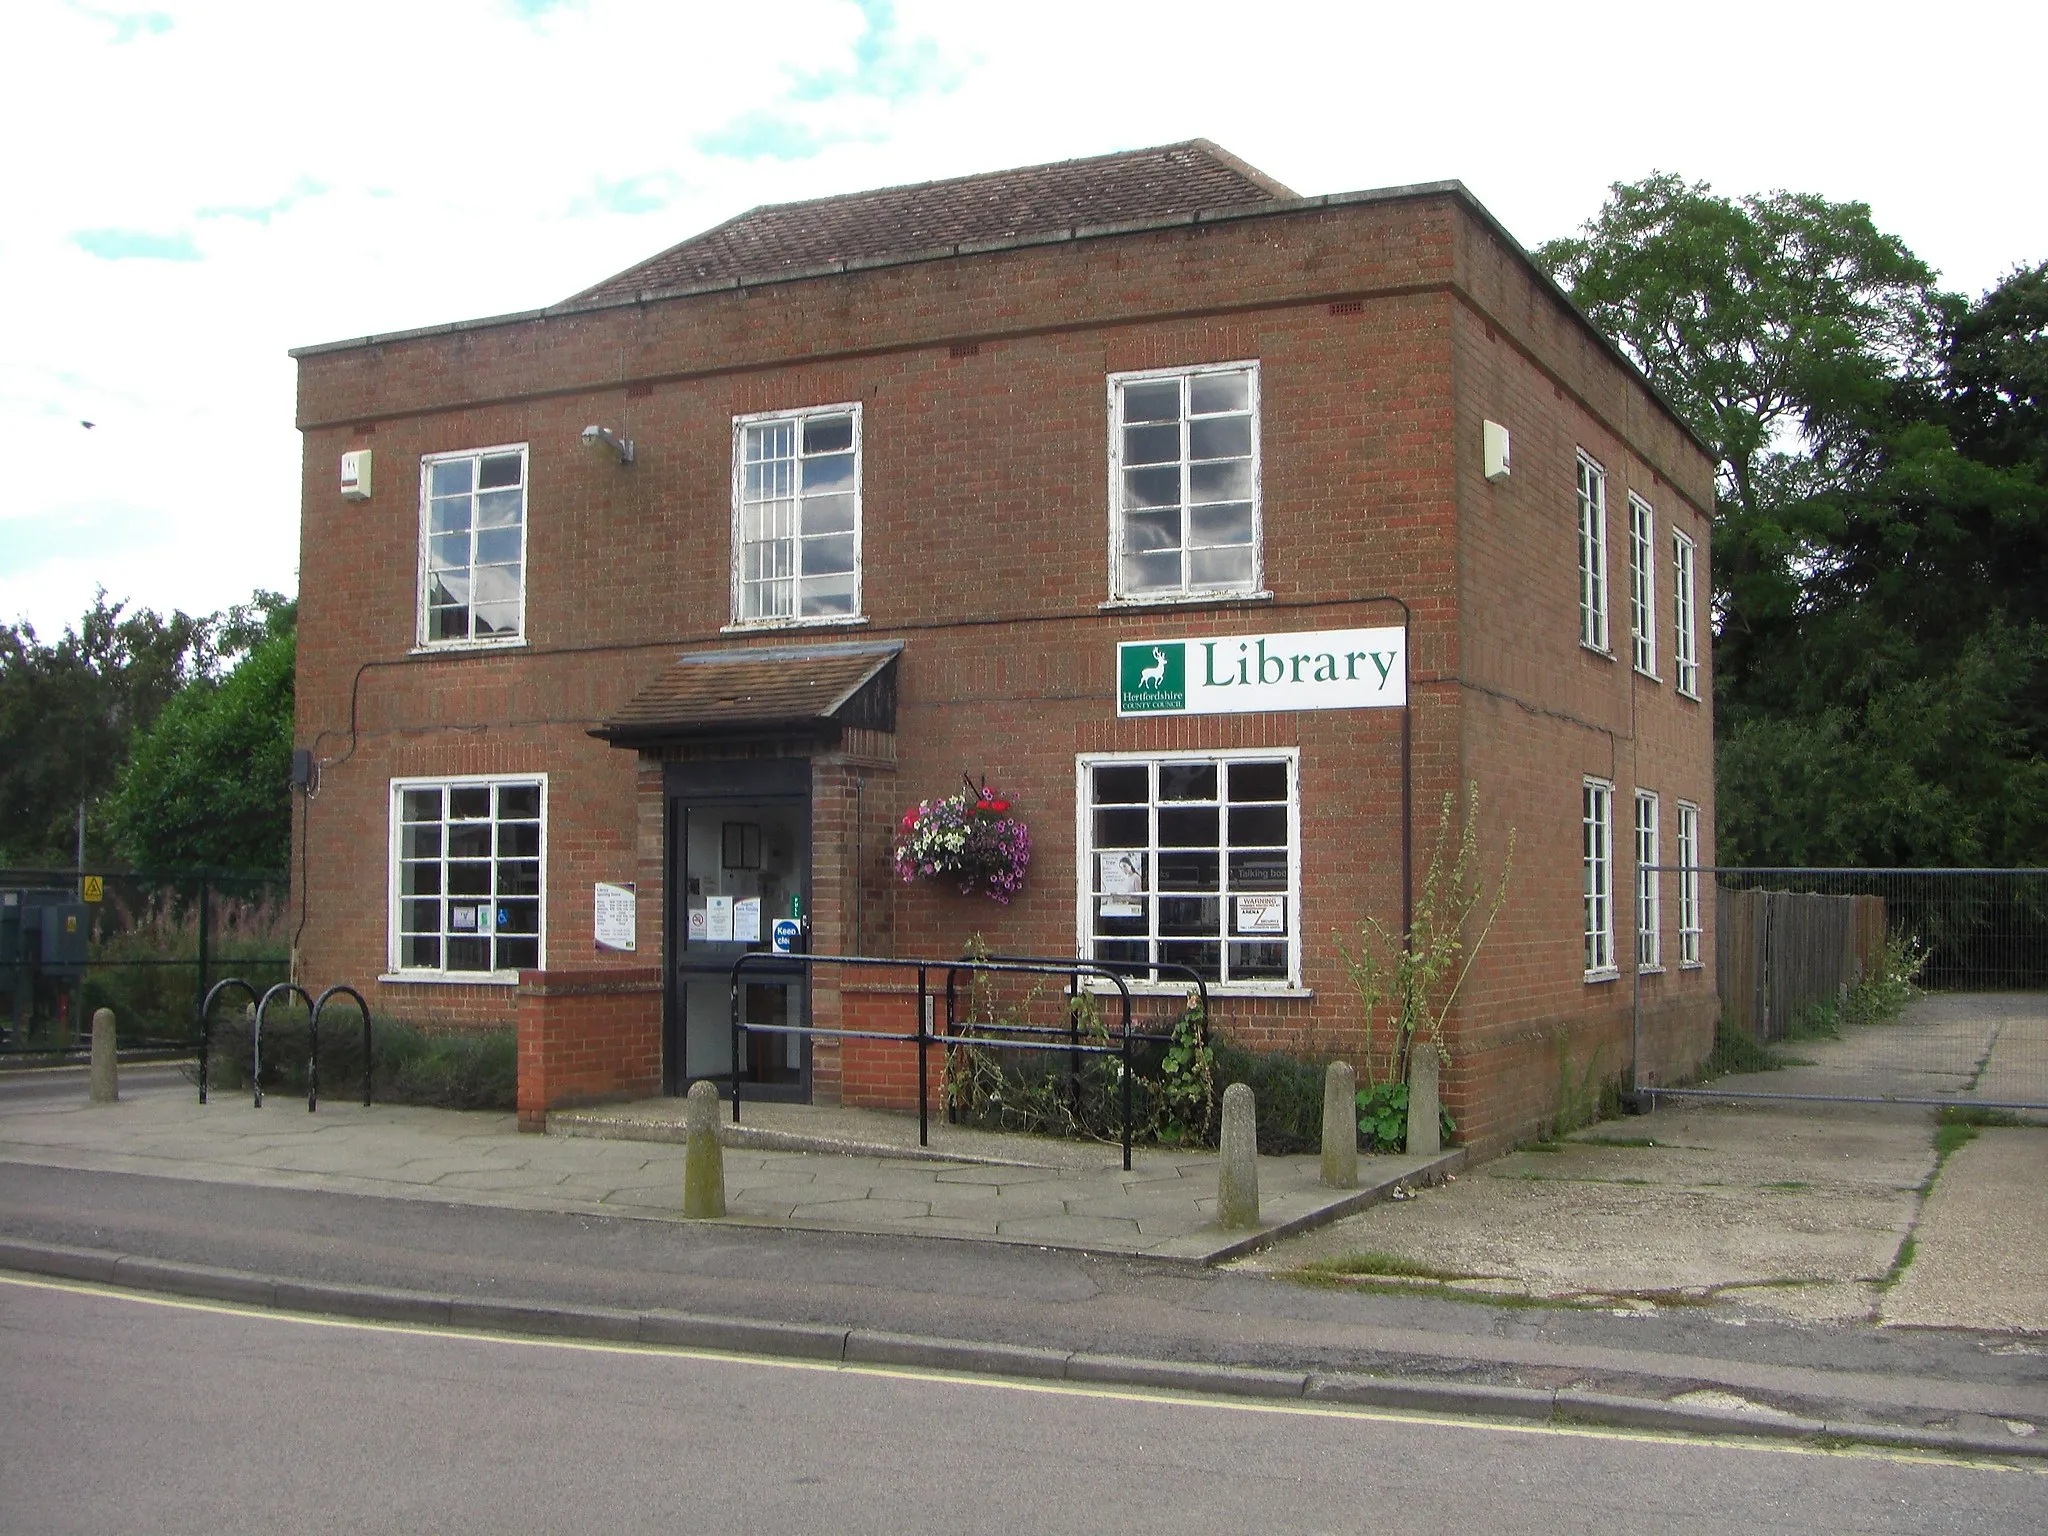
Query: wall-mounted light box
point(355, 475)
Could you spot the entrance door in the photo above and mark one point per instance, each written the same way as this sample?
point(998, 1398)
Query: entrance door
point(739, 864)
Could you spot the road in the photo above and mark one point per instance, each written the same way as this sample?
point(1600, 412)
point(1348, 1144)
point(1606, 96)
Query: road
point(131, 1413)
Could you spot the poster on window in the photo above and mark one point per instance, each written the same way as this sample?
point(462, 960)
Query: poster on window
point(718, 919)
point(617, 915)
point(1262, 914)
point(746, 920)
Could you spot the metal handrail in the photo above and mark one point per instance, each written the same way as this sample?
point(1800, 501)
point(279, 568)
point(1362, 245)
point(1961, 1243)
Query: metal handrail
point(921, 1036)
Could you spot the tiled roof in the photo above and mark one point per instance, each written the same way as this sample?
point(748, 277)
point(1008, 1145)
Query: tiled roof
point(897, 221)
point(759, 691)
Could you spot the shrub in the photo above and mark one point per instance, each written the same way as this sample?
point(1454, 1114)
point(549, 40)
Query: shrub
point(439, 1071)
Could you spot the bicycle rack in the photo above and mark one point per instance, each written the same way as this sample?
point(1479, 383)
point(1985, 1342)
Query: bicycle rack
point(206, 1012)
point(313, 1041)
point(256, 1032)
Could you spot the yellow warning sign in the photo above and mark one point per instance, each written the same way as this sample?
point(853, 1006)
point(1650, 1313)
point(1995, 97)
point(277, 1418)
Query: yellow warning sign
point(95, 887)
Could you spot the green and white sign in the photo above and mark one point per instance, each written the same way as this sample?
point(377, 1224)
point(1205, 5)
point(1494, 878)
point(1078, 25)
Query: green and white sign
point(1251, 674)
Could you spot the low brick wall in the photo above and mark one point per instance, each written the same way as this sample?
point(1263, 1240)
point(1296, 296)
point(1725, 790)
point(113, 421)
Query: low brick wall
point(587, 1037)
point(879, 1074)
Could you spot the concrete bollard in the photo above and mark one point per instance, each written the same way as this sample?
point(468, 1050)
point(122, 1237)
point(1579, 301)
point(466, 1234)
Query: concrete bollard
point(703, 1157)
point(105, 1068)
point(1237, 1174)
point(1340, 1125)
point(1425, 1128)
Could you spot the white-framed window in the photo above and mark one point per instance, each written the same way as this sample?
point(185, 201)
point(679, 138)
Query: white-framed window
point(1642, 584)
point(1193, 858)
point(468, 877)
point(1689, 925)
point(1597, 822)
point(1592, 554)
point(796, 516)
point(1684, 644)
point(1649, 906)
point(1184, 482)
point(473, 547)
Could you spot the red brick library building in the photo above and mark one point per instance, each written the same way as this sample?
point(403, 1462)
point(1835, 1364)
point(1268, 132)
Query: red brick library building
point(1163, 500)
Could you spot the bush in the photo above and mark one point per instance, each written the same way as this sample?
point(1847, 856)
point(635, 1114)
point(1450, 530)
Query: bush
point(1287, 1094)
point(439, 1071)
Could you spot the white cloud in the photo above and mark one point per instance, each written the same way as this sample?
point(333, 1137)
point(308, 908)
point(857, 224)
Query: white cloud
point(342, 170)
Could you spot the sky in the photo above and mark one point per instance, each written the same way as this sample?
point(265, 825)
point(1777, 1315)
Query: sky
point(187, 190)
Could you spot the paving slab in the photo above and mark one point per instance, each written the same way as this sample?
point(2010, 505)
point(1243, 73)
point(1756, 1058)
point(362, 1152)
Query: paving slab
point(875, 1178)
point(1981, 1251)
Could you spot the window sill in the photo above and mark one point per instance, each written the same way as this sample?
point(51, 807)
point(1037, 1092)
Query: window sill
point(755, 626)
point(1182, 600)
point(1596, 650)
point(1649, 676)
point(1284, 990)
point(451, 979)
point(1692, 965)
point(1611, 974)
point(466, 647)
point(1650, 970)
point(1687, 693)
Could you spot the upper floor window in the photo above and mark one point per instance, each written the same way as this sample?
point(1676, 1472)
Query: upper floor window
point(796, 516)
point(1642, 584)
point(473, 546)
point(1592, 554)
point(1184, 482)
point(1684, 646)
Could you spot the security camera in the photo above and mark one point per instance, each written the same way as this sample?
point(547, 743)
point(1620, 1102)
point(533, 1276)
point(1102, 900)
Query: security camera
point(595, 436)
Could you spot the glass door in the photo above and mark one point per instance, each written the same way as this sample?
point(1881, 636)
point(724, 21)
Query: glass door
point(742, 880)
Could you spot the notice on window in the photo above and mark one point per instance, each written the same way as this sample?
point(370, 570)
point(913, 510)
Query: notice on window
point(1123, 874)
point(617, 916)
point(1262, 914)
point(700, 924)
point(746, 920)
point(718, 919)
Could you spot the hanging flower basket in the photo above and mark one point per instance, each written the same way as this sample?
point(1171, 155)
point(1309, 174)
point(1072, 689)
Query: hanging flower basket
point(969, 837)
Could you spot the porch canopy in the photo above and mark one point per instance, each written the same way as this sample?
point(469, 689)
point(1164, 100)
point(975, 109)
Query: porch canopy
point(812, 692)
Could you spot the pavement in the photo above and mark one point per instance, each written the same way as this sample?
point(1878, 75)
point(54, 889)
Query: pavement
point(1792, 1270)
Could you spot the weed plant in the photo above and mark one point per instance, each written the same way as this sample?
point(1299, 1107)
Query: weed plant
point(440, 1071)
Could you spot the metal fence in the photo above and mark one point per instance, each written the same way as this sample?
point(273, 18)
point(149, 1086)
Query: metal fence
point(1921, 986)
point(153, 945)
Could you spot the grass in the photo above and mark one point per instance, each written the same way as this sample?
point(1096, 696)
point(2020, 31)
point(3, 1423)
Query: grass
point(1617, 1141)
point(1384, 1264)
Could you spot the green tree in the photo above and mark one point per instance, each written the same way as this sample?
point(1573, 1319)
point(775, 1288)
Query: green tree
point(206, 784)
point(67, 711)
point(1881, 660)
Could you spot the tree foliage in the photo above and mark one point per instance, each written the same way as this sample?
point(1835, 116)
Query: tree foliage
point(207, 784)
point(71, 710)
point(1881, 529)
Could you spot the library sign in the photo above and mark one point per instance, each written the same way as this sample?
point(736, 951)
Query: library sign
point(1247, 674)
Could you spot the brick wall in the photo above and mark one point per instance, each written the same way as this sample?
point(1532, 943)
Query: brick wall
point(587, 1037)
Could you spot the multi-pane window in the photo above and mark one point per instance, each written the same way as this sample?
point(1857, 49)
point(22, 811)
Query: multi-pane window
point(1649, 908)
point(1597, 820)
point(466, 876)
point(1192, 860)
point(1592, 554)
point(796, 516)
point(473, 546)
point(1684, 650)
point(1642, 584)
point(1688, 884)
point(1184, 482)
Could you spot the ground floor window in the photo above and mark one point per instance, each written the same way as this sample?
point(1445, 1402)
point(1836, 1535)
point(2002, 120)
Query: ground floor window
point(466, 875)
point(1597, 824)
point(1649, 909)
point(1193, 860)
point(1689, 926)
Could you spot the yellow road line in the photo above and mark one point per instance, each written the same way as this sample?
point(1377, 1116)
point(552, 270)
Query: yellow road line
point(1016, 1384)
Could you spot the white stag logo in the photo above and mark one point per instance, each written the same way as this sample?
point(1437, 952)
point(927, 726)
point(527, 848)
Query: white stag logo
point(1154, 676)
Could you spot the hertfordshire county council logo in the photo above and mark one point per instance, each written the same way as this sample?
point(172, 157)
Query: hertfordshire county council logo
point(1152, 678)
